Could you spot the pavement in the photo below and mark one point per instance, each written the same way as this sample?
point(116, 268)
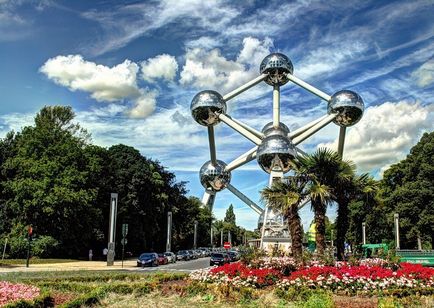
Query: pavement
point(129, 265)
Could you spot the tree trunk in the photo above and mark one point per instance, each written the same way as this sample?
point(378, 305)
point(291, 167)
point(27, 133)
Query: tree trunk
point(320, 211)
point(342, 228)
point(295, 229)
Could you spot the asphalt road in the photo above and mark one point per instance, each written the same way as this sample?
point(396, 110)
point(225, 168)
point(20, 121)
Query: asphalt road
point(129, 265)
point(180, 266)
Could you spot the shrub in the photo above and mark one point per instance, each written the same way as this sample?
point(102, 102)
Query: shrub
point(44, 246)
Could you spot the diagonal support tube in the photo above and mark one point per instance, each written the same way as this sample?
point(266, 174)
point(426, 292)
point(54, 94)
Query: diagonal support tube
point(245, 199)
point(234, 125)
point(244, 87)
point(314, 128)
point(208, 199)
point(212, 145)
point(303, 203)
point(242, 159)
point(250, 129)
point(342, 132)
point(309, 87)
point(304, 128)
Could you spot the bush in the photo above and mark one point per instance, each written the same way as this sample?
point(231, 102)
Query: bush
point(42, 246)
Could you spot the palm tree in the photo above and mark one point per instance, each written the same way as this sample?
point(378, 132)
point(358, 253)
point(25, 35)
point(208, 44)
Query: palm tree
point(286, 196)
point(323, 168)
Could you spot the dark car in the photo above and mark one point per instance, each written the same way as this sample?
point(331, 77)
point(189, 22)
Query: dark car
point(147, 259)
point(162, 259)
point(183, 255)
point(193, 254)
point(233, 256)
point(218, 259)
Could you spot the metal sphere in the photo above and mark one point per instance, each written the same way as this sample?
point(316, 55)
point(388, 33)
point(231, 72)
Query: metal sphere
point(348, 105)
point(276, 65)
point(275, 153)
point(214, 178)
point(270, 130)
point(205, 106)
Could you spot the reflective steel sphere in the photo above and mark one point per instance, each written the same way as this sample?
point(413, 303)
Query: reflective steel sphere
point(214, 178)
point(270, 130)
point(276, 65)
point(276, 153)
point(349, 106)
point(205, 105)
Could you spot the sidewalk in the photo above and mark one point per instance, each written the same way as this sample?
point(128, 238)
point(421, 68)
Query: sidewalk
point(71, 266)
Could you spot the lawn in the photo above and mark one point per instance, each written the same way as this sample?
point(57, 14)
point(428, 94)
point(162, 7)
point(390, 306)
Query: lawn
point(9, 262)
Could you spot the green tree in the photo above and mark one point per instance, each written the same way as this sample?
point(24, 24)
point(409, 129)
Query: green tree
point(286, 197)
point(322, 168)
point(230, 216)
point(407, 188)
point(46, 180)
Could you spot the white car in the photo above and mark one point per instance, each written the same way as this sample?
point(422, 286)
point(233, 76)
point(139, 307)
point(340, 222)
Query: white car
point(171, 257)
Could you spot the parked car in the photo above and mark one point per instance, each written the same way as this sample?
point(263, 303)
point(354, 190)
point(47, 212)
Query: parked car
point(147, 259)
point(218, 258)
point(193, 255)
point(183, 255)
point(162, 259)
point(171, 257)
point(233, 256)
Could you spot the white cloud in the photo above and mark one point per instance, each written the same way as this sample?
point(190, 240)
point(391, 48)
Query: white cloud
point(385, 134)
point(210, 69)
point(144, 105)
point(162, 66)
point(424, 75)
point(105, 84)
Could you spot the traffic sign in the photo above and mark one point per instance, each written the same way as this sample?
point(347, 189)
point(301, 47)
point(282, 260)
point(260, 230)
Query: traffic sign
point(227, 245)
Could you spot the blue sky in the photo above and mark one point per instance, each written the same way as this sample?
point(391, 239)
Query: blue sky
point(129, 69)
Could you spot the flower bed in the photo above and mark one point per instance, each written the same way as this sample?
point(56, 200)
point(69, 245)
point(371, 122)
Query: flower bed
point(364, 278)
point(11, 292)
point(238, 274)
point(369, 276)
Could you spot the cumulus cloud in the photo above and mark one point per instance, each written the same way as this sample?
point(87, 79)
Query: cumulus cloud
point(161, 67)
point(385, 134)
point(105, 84)
point(424, 75)
point(210, 69)
point(144, 105)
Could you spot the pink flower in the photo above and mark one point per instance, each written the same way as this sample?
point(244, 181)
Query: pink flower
point(11, 292)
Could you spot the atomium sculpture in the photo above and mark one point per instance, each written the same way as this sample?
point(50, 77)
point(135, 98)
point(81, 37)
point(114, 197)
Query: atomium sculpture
point(275, 146)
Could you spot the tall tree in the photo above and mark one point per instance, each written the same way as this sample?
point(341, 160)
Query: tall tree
point(230, 215)
point(408, 189)
point(322, 168)
point(47, 180)
point(286, 196)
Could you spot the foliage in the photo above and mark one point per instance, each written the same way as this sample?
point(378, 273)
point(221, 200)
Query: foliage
point(286, 196)
point(408, 189)
point(230, 216)
point(49, 172)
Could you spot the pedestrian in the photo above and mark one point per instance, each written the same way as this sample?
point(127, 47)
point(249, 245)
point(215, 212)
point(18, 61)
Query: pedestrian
point(90, 254)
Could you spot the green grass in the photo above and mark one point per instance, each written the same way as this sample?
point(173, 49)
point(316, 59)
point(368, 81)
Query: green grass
point(34, 261)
